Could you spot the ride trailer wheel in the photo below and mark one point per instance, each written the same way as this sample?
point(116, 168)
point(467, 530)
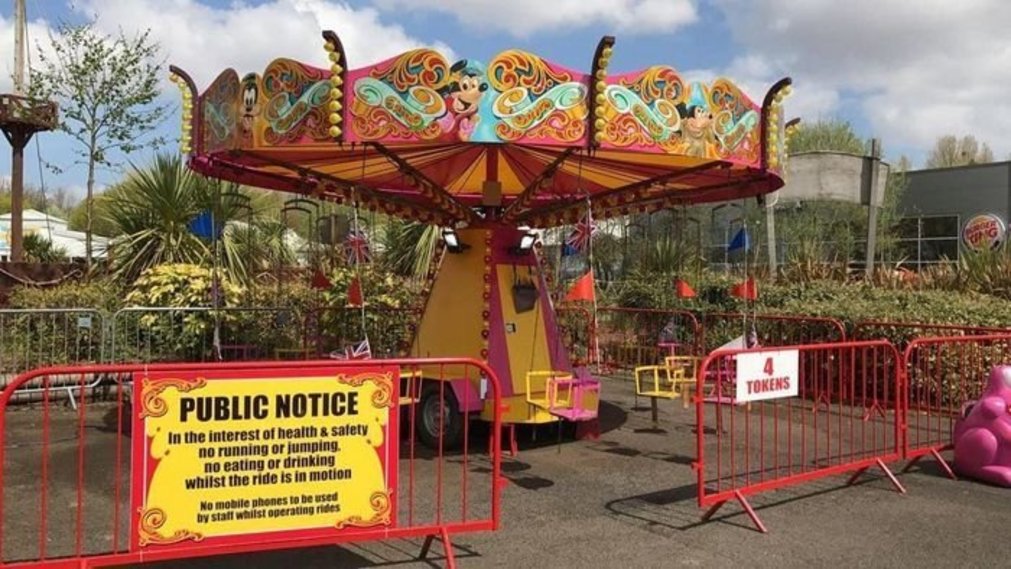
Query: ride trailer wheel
point(427, 420)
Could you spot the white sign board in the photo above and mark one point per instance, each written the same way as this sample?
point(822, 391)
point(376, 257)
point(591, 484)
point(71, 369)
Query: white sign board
point(767, 375)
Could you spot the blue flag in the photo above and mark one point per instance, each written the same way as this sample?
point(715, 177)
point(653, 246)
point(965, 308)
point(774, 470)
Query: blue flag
point(568, 250)
point(740, 241)
point(203, 225)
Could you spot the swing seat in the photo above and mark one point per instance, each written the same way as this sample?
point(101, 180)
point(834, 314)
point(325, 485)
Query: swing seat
point(661, 386)
point(561, 394)
point(410, 378)
point(683, 372)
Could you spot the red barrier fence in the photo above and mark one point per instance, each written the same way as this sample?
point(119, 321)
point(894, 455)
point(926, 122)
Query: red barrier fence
point(579, 333)
point(836, 420)
point(942, 376)
point(772, 329)
point(628, 337)
point(76, 492)
point(907, 331)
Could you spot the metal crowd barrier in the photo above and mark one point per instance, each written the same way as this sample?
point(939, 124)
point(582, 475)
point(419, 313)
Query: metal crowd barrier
point(80, 488)
point(943, 376)
point(840, 421)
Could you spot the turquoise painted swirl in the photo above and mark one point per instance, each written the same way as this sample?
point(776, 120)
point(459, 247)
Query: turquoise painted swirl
point(221, 121)
point(417, 110)
point(515, 107)
point(284, 114)
point(661, 119)
point(730, 133)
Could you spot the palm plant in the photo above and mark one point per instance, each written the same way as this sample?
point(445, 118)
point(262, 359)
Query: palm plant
point(151, 213)
point(409, 247)
point(38, 249)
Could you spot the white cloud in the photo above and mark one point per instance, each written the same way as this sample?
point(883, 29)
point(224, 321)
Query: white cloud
point(525, 17)
point(918, 69)
point(205, 40)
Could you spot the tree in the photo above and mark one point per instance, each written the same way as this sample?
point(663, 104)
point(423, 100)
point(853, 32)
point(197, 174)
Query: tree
point(106, 88)
point(950, 151)
point(828, 136)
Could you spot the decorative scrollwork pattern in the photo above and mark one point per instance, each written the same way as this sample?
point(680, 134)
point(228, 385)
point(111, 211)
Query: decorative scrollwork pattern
point(383, 395)
point(382, 513)
point(151, 522)
point(151, 402)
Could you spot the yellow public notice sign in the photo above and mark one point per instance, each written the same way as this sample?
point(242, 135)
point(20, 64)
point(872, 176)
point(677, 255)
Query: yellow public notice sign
point(233, 457)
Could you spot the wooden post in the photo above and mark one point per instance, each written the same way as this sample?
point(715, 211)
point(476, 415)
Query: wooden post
point(18, 142)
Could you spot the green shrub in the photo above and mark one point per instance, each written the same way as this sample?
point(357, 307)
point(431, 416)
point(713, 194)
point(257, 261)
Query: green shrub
point(97, 294)
point(388, 316)
point(182, 334)
point(848, 302)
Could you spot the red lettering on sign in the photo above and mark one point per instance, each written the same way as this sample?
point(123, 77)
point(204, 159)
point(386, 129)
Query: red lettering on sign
point(768, 366)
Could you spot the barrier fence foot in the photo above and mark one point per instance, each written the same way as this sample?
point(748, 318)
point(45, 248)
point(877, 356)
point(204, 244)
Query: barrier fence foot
point(855, 476)
point(514, 450)
point(940, 460)
point(747, 509)
point(588, 430)
point(944, 463)
point(909, 465)
point(888, 473)
point(513, 446)
point(447, 547)
point(880, 464)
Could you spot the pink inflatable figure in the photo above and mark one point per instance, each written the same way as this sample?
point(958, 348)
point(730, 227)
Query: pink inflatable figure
point(983, 435)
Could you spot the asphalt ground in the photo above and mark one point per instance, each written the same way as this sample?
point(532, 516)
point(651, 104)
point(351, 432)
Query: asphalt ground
point(625, 500)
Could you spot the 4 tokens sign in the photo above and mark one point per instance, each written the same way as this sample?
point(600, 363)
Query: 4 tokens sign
point(770, 374)
point(983, 232)
point(230, 458)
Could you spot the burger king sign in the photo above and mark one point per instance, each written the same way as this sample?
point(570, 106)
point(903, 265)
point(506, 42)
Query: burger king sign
point(983, 231)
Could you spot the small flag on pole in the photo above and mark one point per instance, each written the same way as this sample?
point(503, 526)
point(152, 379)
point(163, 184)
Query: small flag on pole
point(740, 241)
point(360, 351)
point(582, 289)
point(356, 246)
point(579, 239)
point(355, 297)
point(683, 290)
point(747, 290)
point(320, 280)
point(203, 225)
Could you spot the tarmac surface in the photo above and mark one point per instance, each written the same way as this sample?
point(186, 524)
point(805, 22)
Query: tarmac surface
point(625, 500)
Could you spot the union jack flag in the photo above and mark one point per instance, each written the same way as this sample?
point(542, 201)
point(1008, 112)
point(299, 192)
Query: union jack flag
point(356, 246)
point(580, 237)
point(359, 351)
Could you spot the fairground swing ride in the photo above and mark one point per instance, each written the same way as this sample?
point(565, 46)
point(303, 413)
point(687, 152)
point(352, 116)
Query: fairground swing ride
point(488, 152)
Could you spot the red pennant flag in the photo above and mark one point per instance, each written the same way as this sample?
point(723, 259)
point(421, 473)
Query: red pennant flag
point(320, 281)
point(582, 289)
point(355, 293)
point(747, 290)
point(683, 290)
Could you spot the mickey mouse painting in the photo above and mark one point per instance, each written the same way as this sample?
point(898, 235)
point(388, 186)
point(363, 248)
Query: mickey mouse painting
point(697, 123)
point(463, 93)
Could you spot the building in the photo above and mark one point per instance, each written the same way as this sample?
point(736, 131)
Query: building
point(53, 229)
point(939, 204)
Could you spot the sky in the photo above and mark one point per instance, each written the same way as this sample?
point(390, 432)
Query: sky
point(904, 71)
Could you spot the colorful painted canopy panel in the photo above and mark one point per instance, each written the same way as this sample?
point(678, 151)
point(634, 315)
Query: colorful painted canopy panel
point(425, 138)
